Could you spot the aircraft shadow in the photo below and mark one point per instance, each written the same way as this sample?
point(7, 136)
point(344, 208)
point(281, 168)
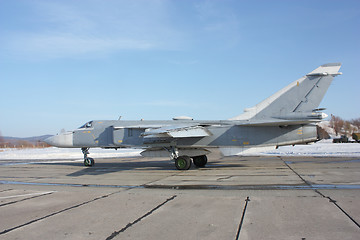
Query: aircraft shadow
point(101, 168)
point(104, 166)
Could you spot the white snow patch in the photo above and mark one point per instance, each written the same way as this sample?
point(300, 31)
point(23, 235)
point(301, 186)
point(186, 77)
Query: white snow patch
point(64, 153)
point(321, 148)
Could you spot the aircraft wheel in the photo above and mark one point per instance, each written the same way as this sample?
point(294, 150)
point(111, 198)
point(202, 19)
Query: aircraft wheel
point(200, 161)
point(183, 163)
point(89, 162)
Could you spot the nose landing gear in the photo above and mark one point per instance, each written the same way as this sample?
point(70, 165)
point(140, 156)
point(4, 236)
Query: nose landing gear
point(88, 161)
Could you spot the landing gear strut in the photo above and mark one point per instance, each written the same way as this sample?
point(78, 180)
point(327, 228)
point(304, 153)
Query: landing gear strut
point(88, 161)
point(183, 162)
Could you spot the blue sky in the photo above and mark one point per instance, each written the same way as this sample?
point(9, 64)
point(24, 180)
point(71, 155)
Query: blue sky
point(63, 63)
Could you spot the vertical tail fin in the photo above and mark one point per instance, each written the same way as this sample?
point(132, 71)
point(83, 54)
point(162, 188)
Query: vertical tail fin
point(302, 95)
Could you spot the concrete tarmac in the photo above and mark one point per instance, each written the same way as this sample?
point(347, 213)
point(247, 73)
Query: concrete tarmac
point(146, 198)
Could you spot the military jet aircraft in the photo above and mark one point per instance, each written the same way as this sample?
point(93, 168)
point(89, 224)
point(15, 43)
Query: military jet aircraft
point(286, 118)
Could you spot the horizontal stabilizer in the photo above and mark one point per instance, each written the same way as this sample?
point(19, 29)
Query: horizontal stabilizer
point(326, 69)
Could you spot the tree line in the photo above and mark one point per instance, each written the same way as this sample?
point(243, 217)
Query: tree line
point(344, 127)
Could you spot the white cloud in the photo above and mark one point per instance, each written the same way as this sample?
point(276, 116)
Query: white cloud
point(69, 29)
point(58, 45)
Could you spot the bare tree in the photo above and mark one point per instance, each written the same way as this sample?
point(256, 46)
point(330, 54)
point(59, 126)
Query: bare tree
point(2, 141)
point(348, 128)
point(356, 123)
point(336, 123)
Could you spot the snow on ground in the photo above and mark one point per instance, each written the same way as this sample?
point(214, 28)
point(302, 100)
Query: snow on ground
point(64, 153)
point(321, 148)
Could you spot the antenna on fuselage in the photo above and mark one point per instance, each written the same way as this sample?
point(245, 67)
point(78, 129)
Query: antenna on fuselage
point(119, 118)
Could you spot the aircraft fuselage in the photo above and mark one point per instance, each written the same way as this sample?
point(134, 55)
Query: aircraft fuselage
point(122, 134)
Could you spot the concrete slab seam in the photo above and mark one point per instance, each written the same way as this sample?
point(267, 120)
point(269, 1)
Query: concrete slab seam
point(322, 195)
point(340, 208)
point(127, 187)
point(114, 234)
point(242, 218)
point(28, 194)
point(160, 179)
point(21, 200)
point(56, 213)
point(5, 190)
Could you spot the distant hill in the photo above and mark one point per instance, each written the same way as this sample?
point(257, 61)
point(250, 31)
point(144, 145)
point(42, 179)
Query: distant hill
point(23, 142)
point(30, 139)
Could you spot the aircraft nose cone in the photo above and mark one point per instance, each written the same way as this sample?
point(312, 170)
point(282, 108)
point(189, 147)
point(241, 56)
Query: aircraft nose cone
point(50, 140)
point(61, 140)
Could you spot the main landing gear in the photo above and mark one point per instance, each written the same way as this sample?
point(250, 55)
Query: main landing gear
point(184, 162)
point(200, 161)
point(88, 161)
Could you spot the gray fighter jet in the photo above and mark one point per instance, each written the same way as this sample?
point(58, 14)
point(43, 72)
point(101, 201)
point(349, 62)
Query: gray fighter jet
point(286, 118)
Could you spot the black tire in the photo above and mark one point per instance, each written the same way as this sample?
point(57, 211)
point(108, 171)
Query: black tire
point(183, 163)
point(200, 161)
point(89, 162)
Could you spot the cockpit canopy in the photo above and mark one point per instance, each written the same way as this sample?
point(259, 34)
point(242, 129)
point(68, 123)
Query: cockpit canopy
point(87, 125)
